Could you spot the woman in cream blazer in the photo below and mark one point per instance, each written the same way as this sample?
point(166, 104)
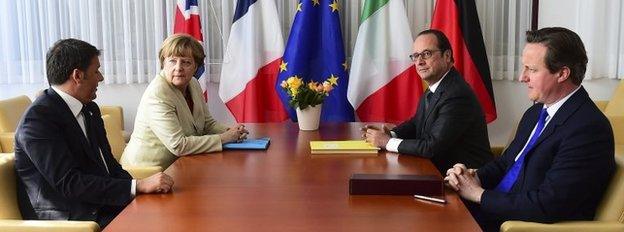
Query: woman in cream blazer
point(172, 119)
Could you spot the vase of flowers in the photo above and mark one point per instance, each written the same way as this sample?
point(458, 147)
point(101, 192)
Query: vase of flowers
point(307, 99)
point(309, 117)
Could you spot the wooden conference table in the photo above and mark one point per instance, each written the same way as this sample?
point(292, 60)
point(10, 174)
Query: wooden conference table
point(286, 189)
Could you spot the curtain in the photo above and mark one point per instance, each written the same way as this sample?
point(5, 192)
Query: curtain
point(600, 24)
point(130, 33)
point(504, 24)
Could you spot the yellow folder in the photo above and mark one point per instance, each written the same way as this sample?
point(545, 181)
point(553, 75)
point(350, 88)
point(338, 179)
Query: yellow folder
point(346, 146)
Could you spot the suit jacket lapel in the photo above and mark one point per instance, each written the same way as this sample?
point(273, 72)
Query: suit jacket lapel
point(448, 79)
point(182, 109)
point(70, 119)
point(99, 132)
point(198, 121)
point(564, 112)
point(420, 114)
point(74, 128)
point(432, 104)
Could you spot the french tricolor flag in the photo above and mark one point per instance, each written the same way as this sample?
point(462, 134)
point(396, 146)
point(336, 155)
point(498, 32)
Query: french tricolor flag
point(251, 63)
point(187, 22)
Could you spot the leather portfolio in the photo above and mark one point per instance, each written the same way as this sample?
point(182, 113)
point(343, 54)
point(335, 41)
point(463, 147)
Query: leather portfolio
point(389, 184)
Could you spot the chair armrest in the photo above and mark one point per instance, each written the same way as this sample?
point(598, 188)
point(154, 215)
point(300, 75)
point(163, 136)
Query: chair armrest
point(514, 226)
point(602, 105)
point(142, 172)
point(7, 140)
point(114, 111)
point(47, 226)
point(497, 150)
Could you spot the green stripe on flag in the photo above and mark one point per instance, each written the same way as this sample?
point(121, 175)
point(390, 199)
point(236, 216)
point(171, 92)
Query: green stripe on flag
point(370, 6)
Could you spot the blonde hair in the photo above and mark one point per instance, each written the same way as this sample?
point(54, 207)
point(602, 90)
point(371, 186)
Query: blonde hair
point(181, 45)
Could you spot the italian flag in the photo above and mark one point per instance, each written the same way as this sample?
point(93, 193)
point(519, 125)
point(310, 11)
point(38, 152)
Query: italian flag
point(384, 85)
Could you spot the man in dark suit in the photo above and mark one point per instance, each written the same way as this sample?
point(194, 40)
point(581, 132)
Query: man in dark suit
point(449, 126)
point(559, 163)
point(62, 158)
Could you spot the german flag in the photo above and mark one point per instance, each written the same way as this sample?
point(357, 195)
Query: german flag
point(459, 21)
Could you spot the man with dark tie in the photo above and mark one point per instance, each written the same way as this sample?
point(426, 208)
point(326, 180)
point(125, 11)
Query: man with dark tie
point(449, 126)
point(562, 157)
point(63, 160)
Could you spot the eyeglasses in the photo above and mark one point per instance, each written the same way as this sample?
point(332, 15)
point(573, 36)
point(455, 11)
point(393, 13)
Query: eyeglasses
point(426, 54)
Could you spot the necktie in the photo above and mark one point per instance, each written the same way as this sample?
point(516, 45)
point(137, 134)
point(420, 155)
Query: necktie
point(512, 175)
point(428, 97)
point(92, 135)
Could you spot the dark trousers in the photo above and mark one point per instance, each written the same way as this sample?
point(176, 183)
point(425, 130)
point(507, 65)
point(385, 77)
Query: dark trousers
point(106, 214)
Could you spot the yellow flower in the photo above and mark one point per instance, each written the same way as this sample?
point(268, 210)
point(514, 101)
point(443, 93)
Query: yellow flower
point(312, 85)
point(294, 82)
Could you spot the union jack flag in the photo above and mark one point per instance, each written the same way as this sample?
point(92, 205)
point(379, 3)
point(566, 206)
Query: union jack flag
point(187, 22)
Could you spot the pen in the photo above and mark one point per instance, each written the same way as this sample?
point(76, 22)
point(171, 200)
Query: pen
point(438, 200)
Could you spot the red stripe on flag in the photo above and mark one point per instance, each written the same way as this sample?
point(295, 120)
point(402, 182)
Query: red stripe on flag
point(259, 101)
point(446, 19)
point(396, 102)
point(192, 26)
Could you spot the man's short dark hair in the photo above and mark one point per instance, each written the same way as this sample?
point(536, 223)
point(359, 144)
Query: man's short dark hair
point(65, 56)
point(565, 49)
point(443, 42)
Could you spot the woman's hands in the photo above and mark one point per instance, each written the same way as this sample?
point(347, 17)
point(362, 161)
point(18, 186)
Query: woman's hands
point(235, 133)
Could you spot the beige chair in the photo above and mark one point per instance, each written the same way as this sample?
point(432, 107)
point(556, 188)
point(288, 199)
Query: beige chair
point(615, 106)
point(11, 111)
point(609, 216)
point(10, 216)
point(614, 110)
point(116, 113)
point(117, 143)
point(6, 141)
point(497, 150)
point(2, 145)
point(617, 123)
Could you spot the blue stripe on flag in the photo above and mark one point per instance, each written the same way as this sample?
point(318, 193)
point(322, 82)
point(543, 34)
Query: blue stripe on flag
point(242, 6)
point(190, 3)
point(200, 70)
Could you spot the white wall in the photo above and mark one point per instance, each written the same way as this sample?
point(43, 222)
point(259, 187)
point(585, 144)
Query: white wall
point(511, 101)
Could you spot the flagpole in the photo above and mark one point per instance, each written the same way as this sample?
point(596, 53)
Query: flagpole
point(534, 14)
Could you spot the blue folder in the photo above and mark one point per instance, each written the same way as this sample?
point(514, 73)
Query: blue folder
point(249, 144)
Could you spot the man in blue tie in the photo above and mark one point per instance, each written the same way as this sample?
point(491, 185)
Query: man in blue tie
point(561, 159)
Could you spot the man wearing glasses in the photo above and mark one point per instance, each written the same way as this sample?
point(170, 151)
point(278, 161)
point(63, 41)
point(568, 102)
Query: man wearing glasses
point(449, 126)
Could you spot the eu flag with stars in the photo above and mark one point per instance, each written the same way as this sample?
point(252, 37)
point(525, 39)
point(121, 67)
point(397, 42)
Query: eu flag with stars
point(315, 52)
